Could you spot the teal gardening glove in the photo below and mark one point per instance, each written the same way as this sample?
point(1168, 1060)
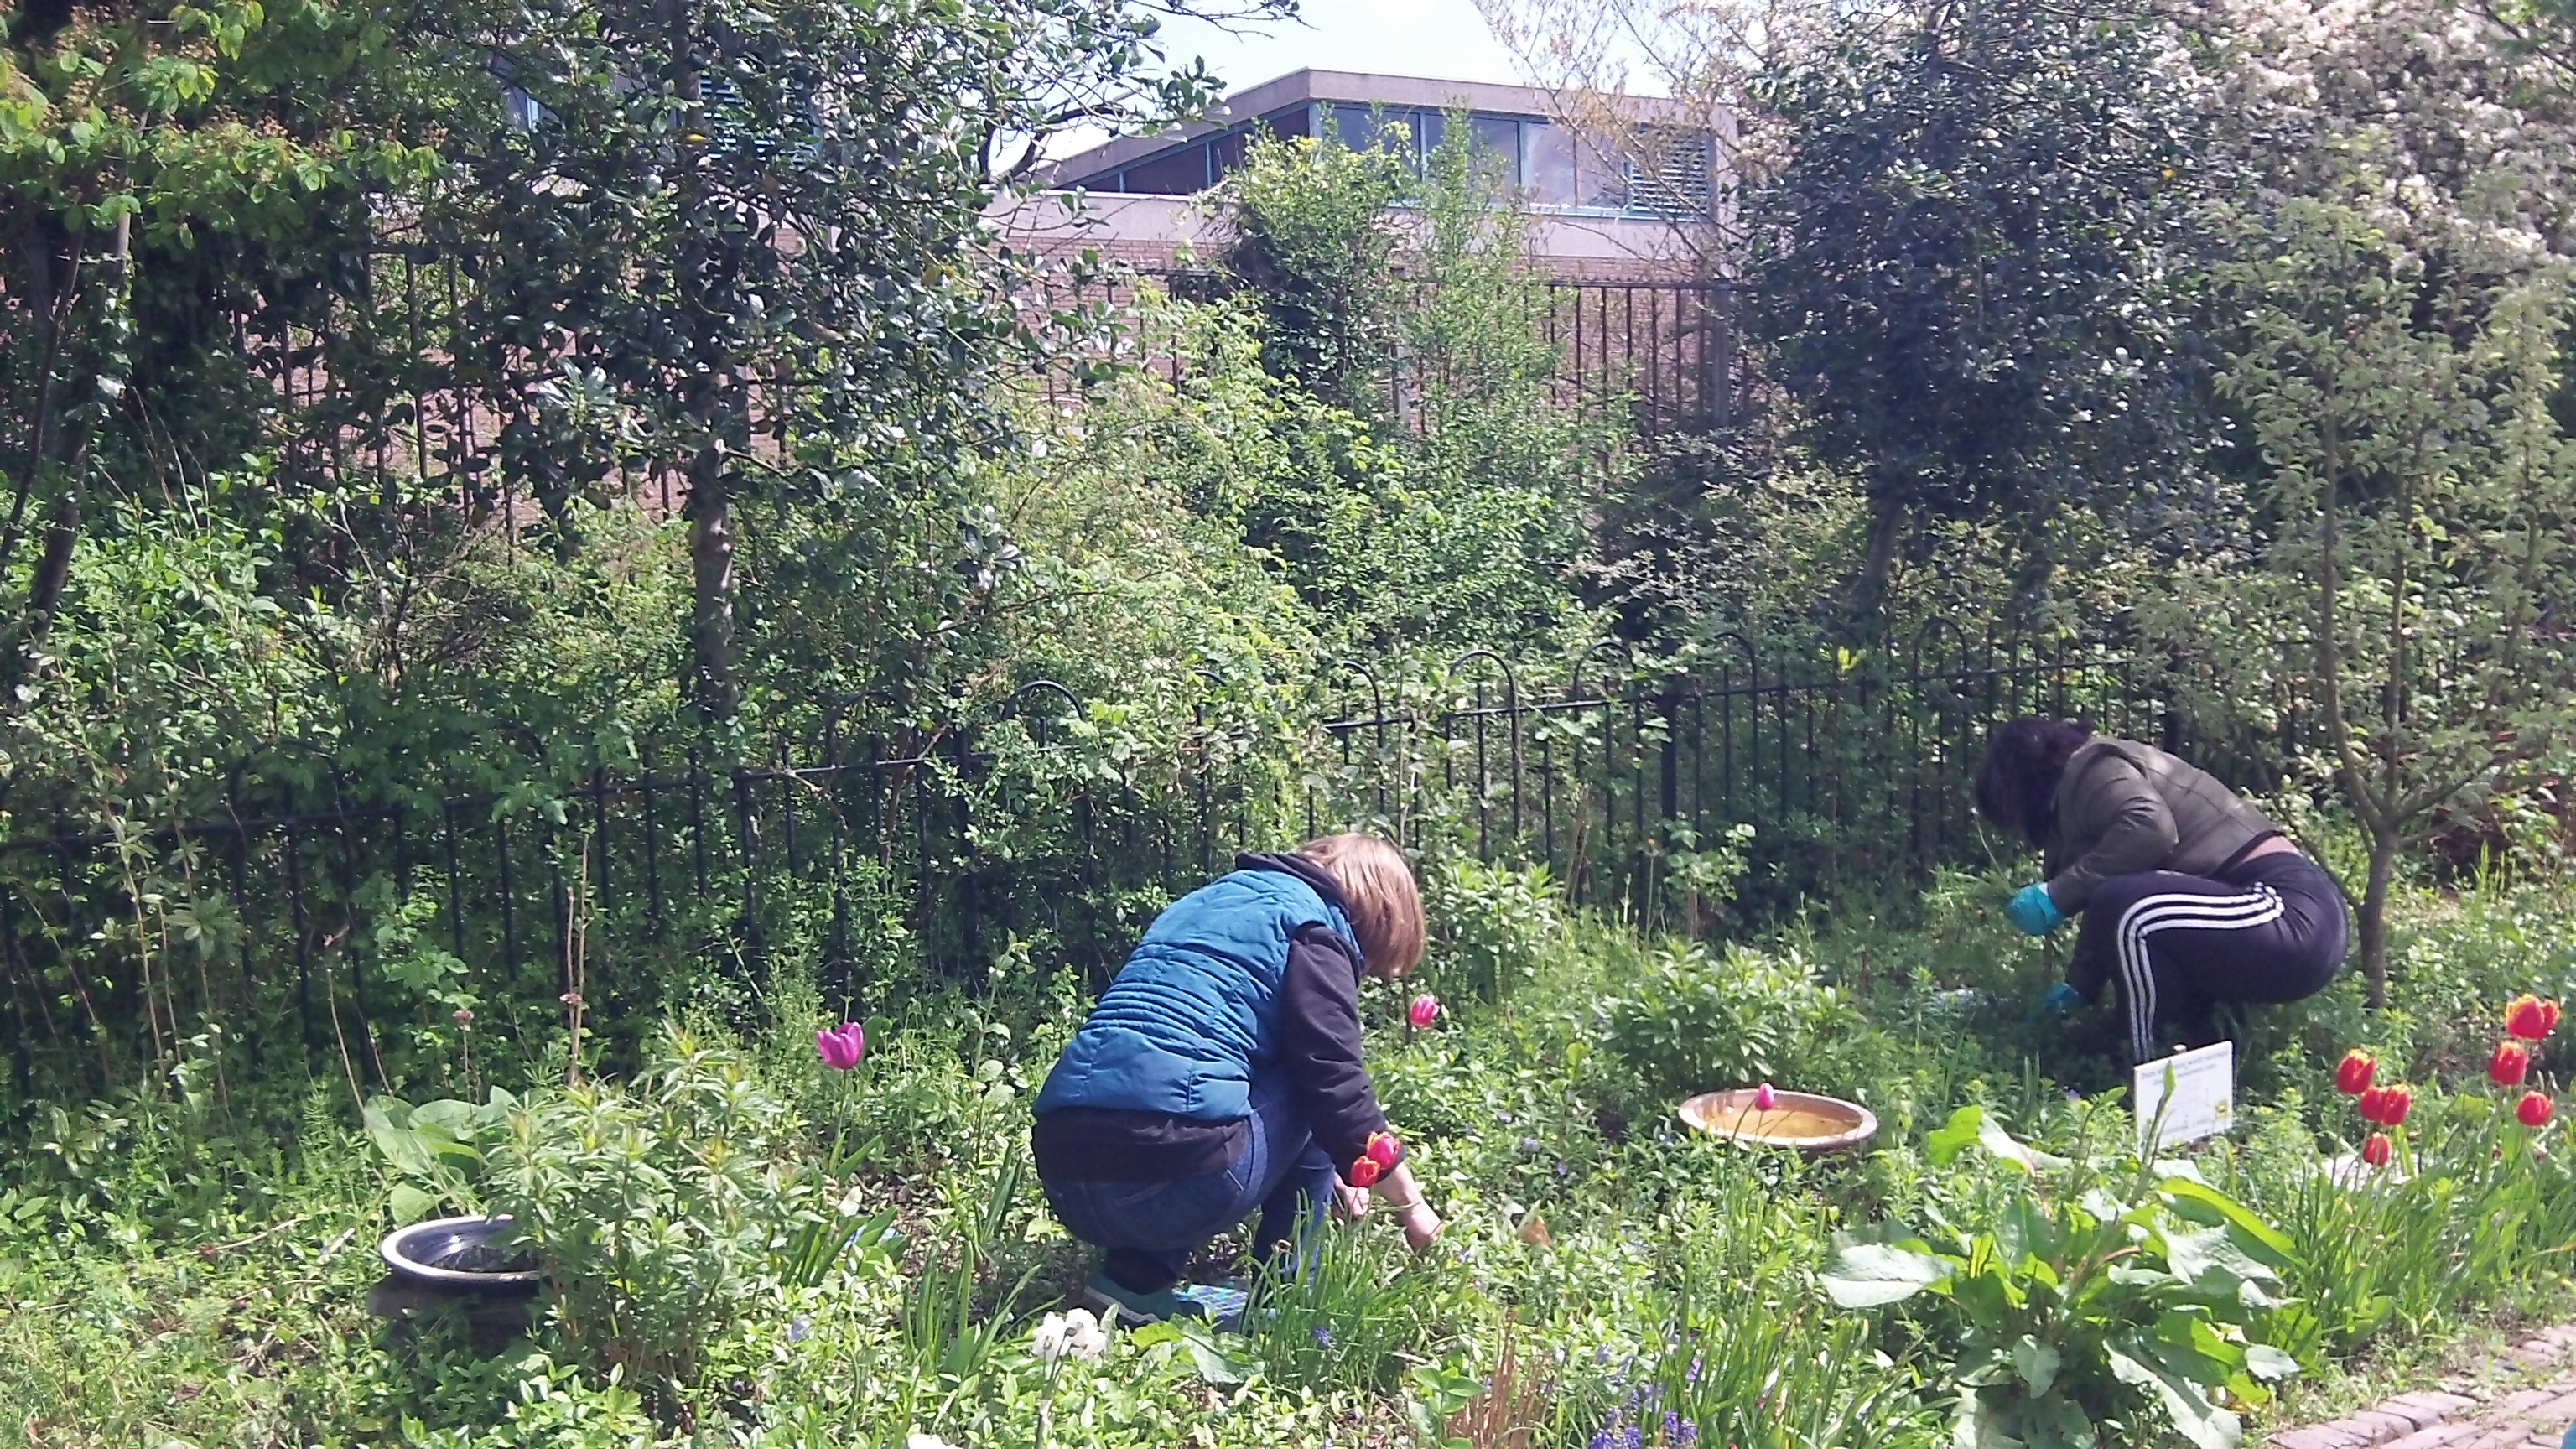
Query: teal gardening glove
point(2034, 912)
point(2060, 1000)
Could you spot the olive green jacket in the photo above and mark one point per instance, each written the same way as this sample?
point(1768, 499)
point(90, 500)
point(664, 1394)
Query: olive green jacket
point(2124, 807)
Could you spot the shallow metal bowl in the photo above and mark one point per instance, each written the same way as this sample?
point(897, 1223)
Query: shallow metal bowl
point(460, 1255)
point(1813, 1124)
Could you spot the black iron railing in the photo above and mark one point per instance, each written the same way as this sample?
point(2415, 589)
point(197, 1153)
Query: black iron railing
point(298, 919)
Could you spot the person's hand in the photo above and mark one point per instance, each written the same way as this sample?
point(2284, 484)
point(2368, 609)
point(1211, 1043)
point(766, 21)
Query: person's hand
point(2033, 911)
point(2060, 1000)
point(1420, 1224)
point(1350, 1204)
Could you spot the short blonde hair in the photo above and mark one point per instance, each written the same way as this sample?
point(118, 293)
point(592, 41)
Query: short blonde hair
point(1385, 906)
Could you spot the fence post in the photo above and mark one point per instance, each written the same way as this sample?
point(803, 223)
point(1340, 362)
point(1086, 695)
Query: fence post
point(22, 1061)
point(303, 942)
point(746, 816)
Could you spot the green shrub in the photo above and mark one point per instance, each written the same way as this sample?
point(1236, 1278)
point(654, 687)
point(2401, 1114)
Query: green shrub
point(1694, 1020)
point(2120, 1294)
point(1491, 925)
point(663, 1212)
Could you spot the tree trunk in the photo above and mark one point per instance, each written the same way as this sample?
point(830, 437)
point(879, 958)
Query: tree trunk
point(2374, 915)
point(1869, 597)
point(714, 649)
point(53, 259)
point(108, 365)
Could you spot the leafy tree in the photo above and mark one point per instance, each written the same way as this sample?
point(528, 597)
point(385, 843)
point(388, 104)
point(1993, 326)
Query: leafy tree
point(1429, 490)
point(1968, 229)
point(134, 139)
point(2544, 27)
point(2416, 558)
point(754, 227)
point(1314, 241)
point(423, 265)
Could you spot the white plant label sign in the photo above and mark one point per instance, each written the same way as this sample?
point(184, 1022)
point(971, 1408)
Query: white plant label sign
point(2186, 1096)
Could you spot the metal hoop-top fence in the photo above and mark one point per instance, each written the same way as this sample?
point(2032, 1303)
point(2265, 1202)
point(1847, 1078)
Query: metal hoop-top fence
point(298, 920)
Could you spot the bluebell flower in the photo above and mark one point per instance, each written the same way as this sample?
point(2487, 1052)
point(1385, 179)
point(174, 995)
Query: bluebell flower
point(1503, 1117)
point(1631, 1437)
point(797, 1328)
point(1529, 1144)
point(1679, 1431)
point(1323, 1335)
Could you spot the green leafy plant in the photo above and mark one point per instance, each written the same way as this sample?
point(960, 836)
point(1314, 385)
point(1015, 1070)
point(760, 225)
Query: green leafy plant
point(664, 1212)
point(1735, 1349)
point(1345, 1320)
point(436, 1150)
point(1491, 924)
point(1694, 1019)
point(2074, 1308)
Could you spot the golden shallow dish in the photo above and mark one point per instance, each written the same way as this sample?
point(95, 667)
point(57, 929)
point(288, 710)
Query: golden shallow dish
point(1812, 1124)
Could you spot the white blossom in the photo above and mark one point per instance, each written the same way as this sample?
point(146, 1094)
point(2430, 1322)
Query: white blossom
point(1070, 1335)
point(919, 1440)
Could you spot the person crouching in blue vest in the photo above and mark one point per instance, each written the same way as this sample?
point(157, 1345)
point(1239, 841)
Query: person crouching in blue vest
point(1220, 1072)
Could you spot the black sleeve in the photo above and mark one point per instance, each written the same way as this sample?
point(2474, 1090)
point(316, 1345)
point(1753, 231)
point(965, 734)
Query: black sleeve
point(2119, 823)
point(1319, 1043)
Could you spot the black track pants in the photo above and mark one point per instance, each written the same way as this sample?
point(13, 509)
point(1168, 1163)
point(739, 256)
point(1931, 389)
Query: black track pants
point(2267, 929)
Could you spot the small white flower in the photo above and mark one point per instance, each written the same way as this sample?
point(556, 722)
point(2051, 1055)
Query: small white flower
point(919, 1440)
point(1048, 1341)
point(1069, 1335)
point(1084, 1335)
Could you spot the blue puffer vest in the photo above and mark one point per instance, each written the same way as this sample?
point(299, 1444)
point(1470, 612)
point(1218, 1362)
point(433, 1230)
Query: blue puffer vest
point(1195, 1008)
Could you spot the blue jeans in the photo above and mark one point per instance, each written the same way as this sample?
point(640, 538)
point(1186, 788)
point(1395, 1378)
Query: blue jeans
point(1152, 1228)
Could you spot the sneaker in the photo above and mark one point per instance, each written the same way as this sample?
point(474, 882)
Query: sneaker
point(1216, 1304)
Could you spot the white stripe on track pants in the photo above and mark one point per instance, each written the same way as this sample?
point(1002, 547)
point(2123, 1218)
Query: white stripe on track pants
point(2269, 929)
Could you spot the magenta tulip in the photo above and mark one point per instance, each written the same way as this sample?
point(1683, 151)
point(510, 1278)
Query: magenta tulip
point(1424, 1011)
point(842, 1046)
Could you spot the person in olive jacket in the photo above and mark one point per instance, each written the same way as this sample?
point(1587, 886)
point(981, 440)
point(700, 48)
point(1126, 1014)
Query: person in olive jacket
point(2189, 896)
point(1220, 1073)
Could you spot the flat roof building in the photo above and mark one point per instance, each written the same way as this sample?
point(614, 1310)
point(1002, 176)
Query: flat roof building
point(1629, 204)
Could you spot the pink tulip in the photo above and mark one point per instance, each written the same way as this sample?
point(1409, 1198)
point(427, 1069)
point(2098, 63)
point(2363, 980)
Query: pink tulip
point(1764, 1099)
point(1424, 1011)
point(842, 1046)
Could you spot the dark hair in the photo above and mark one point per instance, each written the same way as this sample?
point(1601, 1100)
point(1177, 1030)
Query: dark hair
point(2017, 785)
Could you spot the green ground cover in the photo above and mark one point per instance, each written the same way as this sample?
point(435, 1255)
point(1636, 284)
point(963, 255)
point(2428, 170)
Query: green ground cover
point(190, 1266)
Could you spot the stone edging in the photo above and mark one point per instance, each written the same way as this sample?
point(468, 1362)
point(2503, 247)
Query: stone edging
point(2461, 1417)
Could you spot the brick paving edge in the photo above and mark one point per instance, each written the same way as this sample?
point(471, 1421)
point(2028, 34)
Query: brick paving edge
point(2430, 1420)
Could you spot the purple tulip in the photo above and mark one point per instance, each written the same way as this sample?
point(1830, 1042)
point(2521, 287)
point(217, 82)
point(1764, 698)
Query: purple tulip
point(842, 1046)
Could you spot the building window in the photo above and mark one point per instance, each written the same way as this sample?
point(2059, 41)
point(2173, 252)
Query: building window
point(1294, 121)
point(1369, 130)
point(1500, 138)
point(1547, 167)
point(1225, 153)
point(1174, 173)
point(1668, 173)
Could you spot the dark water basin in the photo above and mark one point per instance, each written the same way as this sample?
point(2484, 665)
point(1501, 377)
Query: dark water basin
point(461, 1255)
